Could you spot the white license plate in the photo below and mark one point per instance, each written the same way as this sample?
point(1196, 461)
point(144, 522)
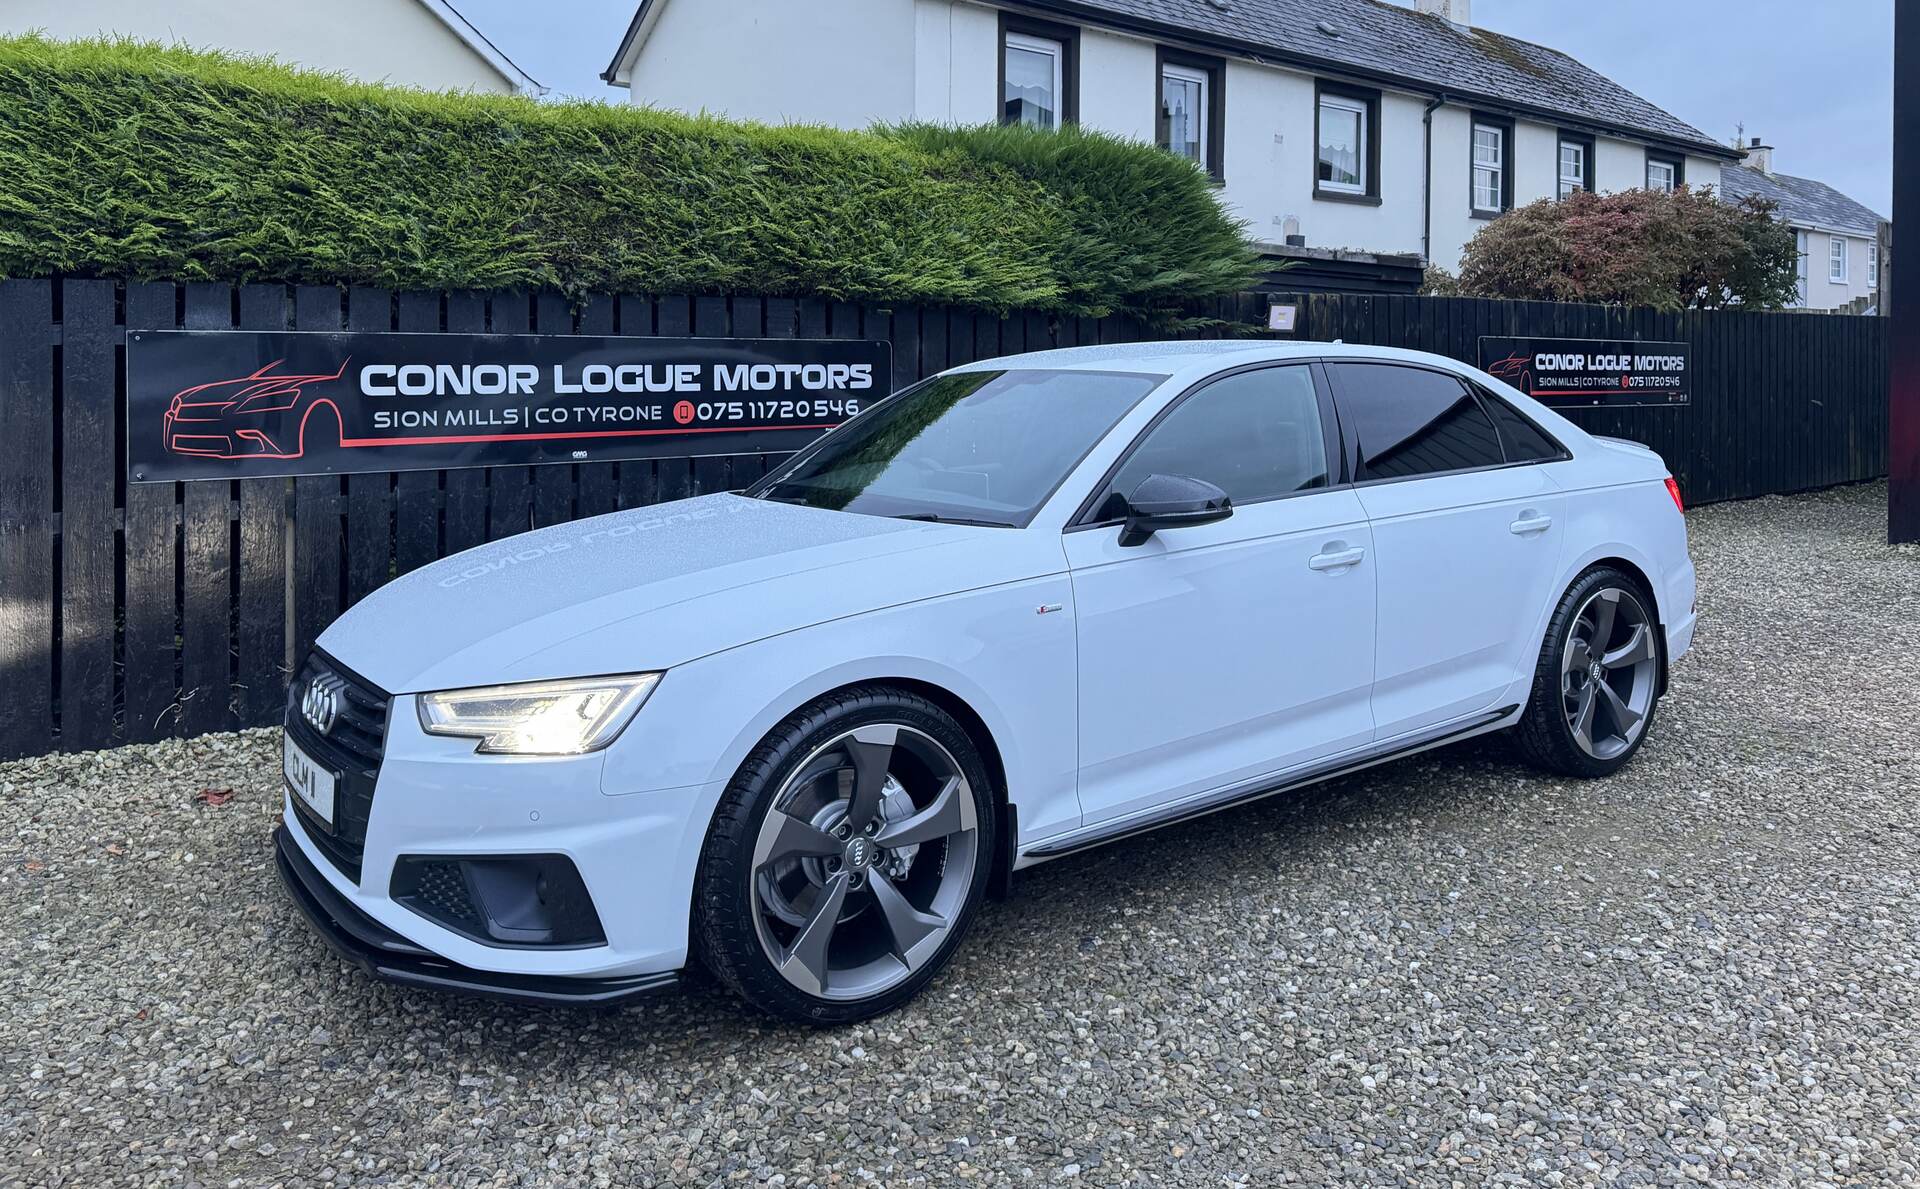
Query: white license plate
point(309, 781)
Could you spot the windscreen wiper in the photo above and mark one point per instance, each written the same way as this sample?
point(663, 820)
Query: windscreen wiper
point(936, 518)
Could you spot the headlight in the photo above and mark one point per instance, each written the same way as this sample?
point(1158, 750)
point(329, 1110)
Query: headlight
point(546, 718)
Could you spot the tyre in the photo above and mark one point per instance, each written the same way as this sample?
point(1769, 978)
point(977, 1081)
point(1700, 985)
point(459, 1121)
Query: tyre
point(1597, 683)
point(847, 858)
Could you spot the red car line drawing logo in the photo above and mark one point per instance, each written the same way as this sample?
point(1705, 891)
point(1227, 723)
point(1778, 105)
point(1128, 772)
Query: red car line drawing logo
point(1516, 370)
point(263, 415)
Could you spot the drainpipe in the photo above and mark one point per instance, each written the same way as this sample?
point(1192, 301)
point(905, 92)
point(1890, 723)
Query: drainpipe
point(1426, 186)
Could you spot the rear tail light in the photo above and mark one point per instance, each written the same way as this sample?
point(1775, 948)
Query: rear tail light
point(1673, 489)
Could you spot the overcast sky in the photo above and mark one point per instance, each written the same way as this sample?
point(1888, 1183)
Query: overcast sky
point(1814, 77)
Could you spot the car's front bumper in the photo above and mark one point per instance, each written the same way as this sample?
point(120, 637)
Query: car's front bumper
point(502, 871)
point(390, 957)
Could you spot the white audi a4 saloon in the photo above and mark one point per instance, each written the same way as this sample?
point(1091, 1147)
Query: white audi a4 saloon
point(797, 733)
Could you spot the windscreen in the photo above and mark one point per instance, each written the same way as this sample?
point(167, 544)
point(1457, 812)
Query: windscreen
point(984, 447)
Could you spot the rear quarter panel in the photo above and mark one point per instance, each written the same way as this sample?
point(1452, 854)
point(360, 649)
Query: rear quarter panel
point(1618, 506)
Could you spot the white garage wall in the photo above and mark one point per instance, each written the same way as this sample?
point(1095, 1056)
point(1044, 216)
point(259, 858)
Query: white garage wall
point(1618, 165)
point(1453, 221)
point(1118, 90)
point(1703, 172)
point(396, 41)
point(780, 62)
point(957, 62)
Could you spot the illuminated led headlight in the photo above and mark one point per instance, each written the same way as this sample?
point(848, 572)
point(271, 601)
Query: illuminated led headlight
point(546, 718)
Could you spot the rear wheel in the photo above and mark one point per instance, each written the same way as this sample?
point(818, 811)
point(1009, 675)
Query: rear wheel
point(1596, 686)
point(847, 858)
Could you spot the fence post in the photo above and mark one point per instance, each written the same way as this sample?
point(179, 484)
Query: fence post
point(89, 466)
point(26, 520)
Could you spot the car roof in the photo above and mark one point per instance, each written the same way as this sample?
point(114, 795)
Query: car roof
point(1186, 356)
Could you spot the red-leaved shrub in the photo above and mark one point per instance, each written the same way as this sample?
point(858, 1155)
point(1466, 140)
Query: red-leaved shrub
point(1640, 247)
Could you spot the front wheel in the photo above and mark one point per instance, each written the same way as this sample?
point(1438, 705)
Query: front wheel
point(1597, 683)
point(847, 857)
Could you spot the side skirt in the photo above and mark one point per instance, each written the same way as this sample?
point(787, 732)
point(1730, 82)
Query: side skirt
point(1227, 798)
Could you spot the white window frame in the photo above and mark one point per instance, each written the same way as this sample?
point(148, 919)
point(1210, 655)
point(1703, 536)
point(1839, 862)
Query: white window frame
point(1053, 49)
point(1363, 111)
point(1204, 79)
point(1580, 182)
point(1873, 264)
point(1672, 182)
point(1801, 251)
point(1837, 260)
point(1498, 169)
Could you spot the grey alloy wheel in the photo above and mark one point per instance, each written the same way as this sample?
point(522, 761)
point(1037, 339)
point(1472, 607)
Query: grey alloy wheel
point(1609, 668)
point(864, 862)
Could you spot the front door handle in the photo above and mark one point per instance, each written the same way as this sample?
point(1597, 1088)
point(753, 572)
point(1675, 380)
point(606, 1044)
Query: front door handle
point(1532, 522)
point(1339, 560)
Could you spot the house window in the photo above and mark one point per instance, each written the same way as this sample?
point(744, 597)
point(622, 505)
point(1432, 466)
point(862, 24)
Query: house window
point(1034, 81)
point(1873, 264)
point(1837, 259)
point(1038, 73)
point(1191, 108)
point(1665, 173)
point(1492, 178)
point(1347, 165)
point(1800, 264)
point(1576, 165)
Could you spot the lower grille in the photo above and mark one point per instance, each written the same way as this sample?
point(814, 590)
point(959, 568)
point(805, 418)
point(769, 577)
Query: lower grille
point(501, 900)
point(351, 748)
point(441, 889)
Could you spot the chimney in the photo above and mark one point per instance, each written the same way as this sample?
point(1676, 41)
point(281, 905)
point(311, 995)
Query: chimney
point(1760, 156)
point(1460, 12)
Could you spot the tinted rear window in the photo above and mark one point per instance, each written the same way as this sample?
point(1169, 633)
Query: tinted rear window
point(1525, 441)
point(1401, 422)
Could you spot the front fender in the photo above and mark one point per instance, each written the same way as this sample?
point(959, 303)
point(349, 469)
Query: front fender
point(990, 648)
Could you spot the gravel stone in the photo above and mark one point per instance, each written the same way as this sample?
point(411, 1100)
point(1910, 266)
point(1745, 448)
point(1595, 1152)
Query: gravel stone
point(1448, 970)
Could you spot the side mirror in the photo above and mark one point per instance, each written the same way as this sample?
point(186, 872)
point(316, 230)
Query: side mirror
point(1171, 501)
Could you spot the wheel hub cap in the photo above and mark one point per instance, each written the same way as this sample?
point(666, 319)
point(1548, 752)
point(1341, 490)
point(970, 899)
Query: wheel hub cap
point(1609, 669)
point(864, 861)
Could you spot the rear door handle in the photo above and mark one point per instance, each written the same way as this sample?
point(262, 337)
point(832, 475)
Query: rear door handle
point(1336, 561)
point(1534, 523)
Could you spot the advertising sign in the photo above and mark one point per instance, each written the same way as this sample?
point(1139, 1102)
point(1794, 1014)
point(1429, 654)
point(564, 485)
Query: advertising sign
point(1590, 373)
point(230, 404)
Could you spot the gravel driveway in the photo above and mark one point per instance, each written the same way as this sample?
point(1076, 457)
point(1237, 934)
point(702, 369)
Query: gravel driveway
point(1444, 970)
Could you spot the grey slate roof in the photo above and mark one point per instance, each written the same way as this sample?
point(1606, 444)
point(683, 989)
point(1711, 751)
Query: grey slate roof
point(1383, 38)
point(1801, 200)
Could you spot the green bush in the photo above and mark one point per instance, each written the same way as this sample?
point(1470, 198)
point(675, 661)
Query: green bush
point(1141, 221)
point(134, 160)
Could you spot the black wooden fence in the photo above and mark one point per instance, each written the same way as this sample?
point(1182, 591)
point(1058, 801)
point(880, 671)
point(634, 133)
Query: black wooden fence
point(1781, 402)
point(136, 612)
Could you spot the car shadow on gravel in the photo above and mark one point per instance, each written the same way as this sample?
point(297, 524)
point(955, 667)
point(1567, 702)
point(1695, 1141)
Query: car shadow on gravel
point(1055, 910)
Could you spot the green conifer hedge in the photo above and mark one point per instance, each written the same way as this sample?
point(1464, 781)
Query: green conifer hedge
point(134, 160)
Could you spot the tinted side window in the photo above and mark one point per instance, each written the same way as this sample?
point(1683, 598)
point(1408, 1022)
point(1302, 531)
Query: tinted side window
point(1255, 435)
point(1525, 441)
point(1405, 421)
